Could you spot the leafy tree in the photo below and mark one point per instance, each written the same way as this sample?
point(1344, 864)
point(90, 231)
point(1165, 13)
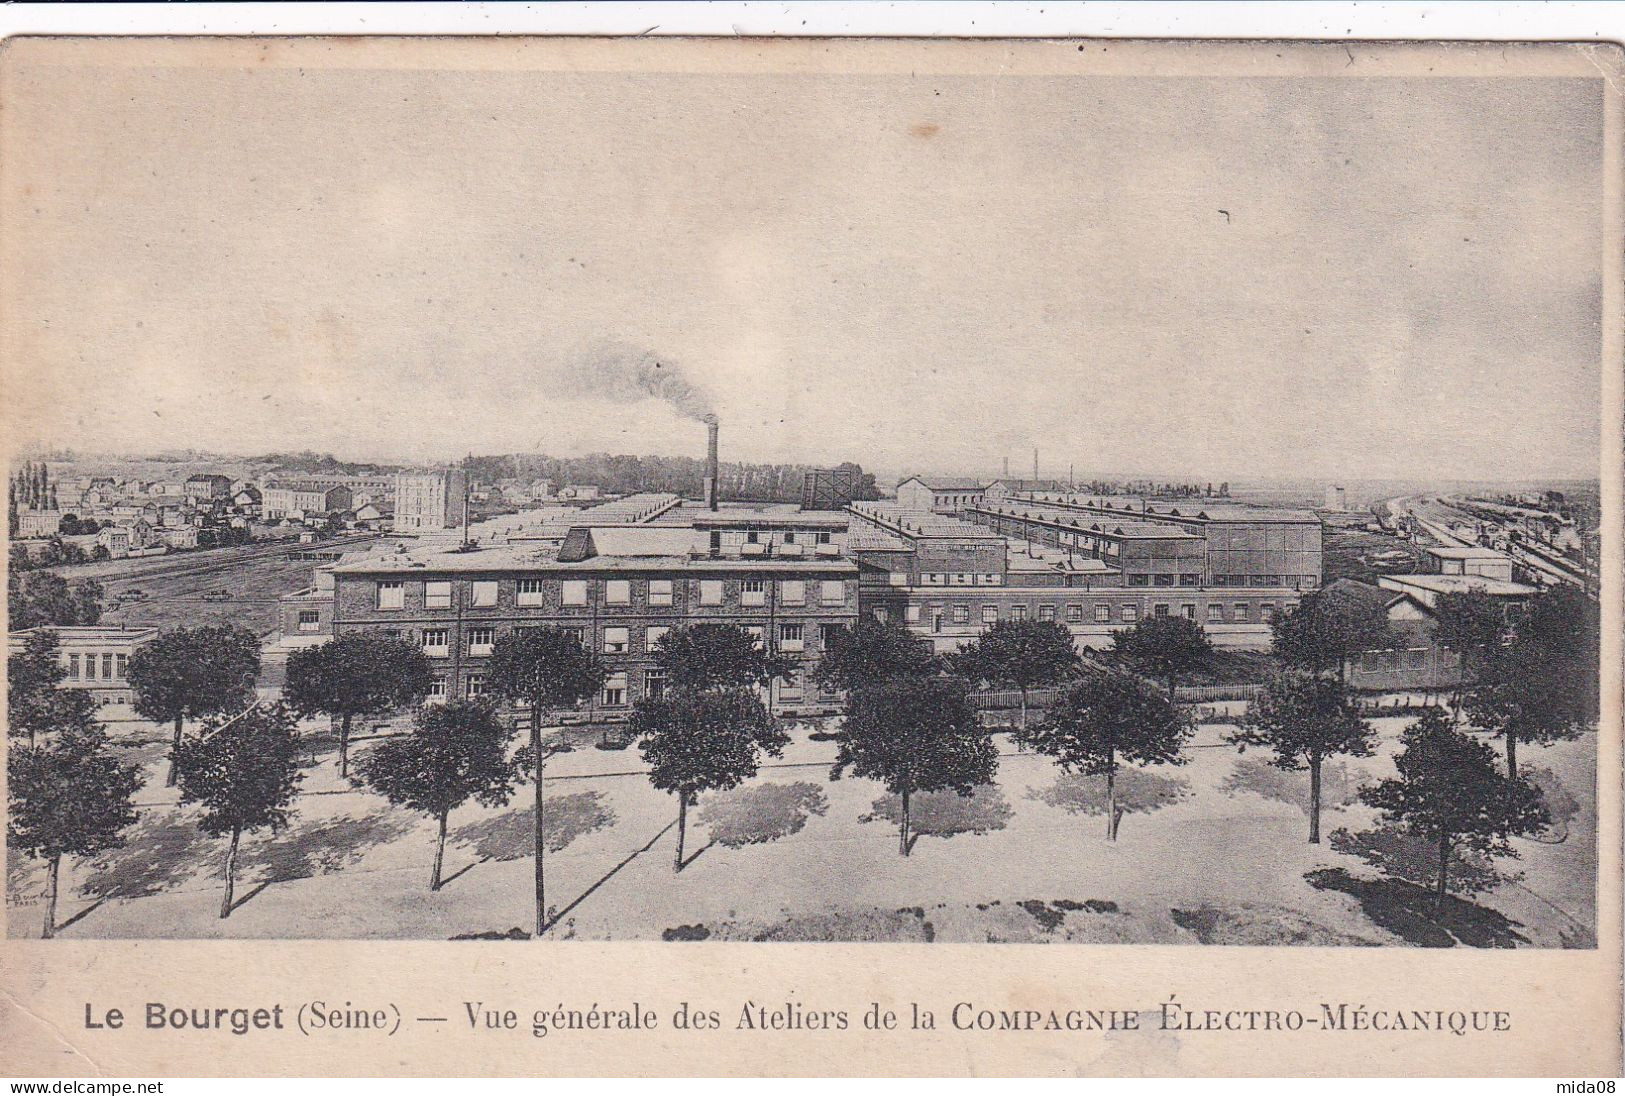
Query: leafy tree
point(1472, 625)
point(1449, 792)
point(547, 669)
point(1305, 718)
point(1106, 718)
point(872, 652)
point(1327, 628)
point(36, 704)
point(697, 742)
point(701, 657)
point(1543, 686)
point(1165, 646)
point(1019, 654)
point(356, 674)
point(456, 752)
point(46, 599)
point(242, 772)
point(191, 673)
point(69, 796)
point(915, 735)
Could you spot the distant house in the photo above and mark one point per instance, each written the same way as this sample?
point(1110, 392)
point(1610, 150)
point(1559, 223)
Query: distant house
point(1417, 660)
point(1010, 488)
point(944, 494)
point(38, 523)
point(183, 536)
point(284, 499)
point(122, 539)
point(580, 491)
point(1468, 560)
point(208, 487)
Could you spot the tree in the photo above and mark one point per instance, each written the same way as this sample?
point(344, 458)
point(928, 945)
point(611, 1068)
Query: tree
point(1327, 628)
point(915, 735)
point(46, 599)
point(1543, 686)
point(241, 771)
point(1165, 646)
point(36, 704)
point(872, 652)
point(69, 796)
point(191, 673)
point(696, 742)
point(1472, 625)
point(1106, 717)
point(1019, 654)
point(356, 674)
point(1305, 718)
point(702, 657)
point(456, 752)
point(548, 669)
point(1449, 792)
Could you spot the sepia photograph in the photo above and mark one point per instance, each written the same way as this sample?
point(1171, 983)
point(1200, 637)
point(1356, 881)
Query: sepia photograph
point(1153, 501)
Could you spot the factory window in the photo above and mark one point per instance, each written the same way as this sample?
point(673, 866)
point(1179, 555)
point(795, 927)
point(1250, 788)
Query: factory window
point(660, 591)
point(756, 632)
point(651, 636)
point(1164, 580)
point(936, 620)
point(793, 592)
point(615, 690)
point(897, 578)
point(310, 620)
point(911, 614)
point(931, 578)
point(710, 591)
point(963, 578)
point(827, 634)
point(654, 683)
point(1240, 609)
point(483, 594)
point(716, 540)
point(990, 614)
point(832, 592)
point(481, 640)
point(823, 538)
point(791, 637)
point(574, 591)
point(73, 667)
point(107, 667)
point(1266, 611)
point(1139, 580)
point(1074, 614)
point(437, 691)
point(1046, 612)
point(1131, 613)
point(1190, 580)
point(753, 593)
point(474, 686)
point(1416, 658)
point(1188, 611)
point(90, 667)
point(790, 691)
point(437, 595)
point(1270, 580)
point(615, 641)
point(1215, 614)
point(391, 595)
point(751, 537)
point(1103, 614)
point(617, 591)
point(961, 614)
point(1018, 612)
point(434, 642)
point(991, 580)
point(530, 591)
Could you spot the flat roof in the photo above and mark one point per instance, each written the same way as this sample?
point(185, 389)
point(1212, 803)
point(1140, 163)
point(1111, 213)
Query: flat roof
point(521, 558)
point(1453, 584)
point(1471, 551)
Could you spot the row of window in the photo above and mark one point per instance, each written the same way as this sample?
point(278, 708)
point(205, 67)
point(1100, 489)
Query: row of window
point(616, 640)
point(1101, 613)
point(614, 692)
point(574, 592)
point(1296, 582)
point(958, 578)
point(1141, 579)
point(113, 667)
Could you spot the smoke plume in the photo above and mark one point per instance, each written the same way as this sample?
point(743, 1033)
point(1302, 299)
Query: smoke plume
point(619, 371)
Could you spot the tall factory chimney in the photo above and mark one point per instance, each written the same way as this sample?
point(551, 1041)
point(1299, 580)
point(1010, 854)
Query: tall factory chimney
point(711, 463)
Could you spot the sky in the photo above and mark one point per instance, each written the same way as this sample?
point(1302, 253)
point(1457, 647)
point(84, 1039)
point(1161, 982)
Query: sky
point(1247, 276)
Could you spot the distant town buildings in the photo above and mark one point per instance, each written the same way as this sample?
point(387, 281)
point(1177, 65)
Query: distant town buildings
point(298, 498)
point(1337, 498)
point(428, 502)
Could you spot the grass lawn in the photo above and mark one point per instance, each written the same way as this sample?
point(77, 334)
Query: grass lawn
point(1211, 852)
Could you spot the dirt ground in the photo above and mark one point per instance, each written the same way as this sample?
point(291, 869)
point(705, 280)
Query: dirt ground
point(1214, 851)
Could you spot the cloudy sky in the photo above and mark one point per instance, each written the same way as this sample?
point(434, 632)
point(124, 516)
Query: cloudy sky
point(1234, 277)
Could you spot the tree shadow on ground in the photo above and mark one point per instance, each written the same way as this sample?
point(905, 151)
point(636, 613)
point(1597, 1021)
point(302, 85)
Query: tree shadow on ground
point(511, 836)
point(765, 812)
point(1138, 792)
point(1339, 786)
point(1562, 809)
point(159, 852)
point(1409, 912)
point(320, 847)
point(1401, 855)
point(947, 813)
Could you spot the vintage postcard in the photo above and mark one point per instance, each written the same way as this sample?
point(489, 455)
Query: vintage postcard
point(727, 556)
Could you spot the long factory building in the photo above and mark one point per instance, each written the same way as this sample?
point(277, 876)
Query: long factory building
point(622, 573)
